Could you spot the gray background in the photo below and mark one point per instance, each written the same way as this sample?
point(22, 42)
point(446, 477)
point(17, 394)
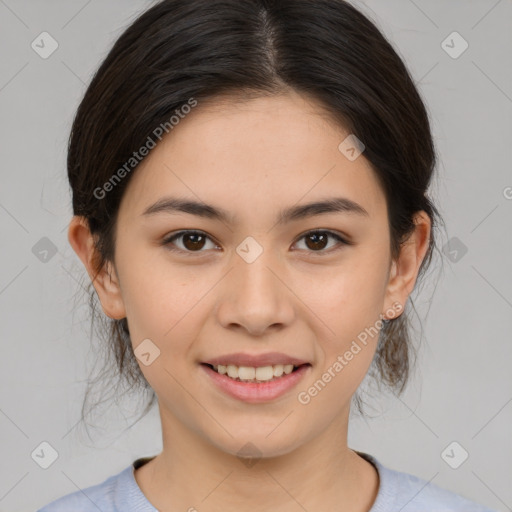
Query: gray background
point(463, 390)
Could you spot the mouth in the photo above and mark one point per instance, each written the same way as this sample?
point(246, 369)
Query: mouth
point(255, 384)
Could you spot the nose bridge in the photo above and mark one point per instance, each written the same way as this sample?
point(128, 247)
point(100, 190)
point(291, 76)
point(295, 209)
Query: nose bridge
point(255, 274)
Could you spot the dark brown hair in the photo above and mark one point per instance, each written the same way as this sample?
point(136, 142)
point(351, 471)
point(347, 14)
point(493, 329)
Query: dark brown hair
point(205, 49)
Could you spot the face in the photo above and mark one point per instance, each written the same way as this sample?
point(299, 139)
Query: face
point(311, 286)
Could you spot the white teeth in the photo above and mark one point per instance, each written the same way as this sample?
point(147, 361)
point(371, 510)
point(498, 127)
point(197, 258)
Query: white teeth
point(278, 370)
point(264, 373)
point(249, 373)
point(232, 371)
point(246, 373)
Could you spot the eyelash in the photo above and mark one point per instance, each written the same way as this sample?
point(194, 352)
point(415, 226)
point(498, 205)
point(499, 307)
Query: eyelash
point(168, 241)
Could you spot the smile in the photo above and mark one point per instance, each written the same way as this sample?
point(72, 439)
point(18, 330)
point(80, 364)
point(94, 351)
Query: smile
point(256, 384)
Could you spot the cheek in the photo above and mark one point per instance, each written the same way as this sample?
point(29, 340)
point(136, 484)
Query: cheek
point(350, 295)
point(345, 353)
point(168, 304)
point(157, 294)
point(349, 304)
point(162, 322)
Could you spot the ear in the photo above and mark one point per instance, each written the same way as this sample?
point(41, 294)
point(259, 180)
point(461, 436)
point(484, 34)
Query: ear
point(404, 271)
point(106, 282)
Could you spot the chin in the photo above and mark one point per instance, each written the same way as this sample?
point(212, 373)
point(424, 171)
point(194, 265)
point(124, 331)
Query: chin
point(256, 443)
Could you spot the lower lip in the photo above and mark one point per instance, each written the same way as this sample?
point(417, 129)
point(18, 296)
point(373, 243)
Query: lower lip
point(255, 392)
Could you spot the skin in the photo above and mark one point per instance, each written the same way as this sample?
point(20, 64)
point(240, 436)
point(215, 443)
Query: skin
point(253, 158)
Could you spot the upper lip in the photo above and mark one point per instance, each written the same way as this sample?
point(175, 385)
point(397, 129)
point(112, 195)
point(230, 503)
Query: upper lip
point(268, 359)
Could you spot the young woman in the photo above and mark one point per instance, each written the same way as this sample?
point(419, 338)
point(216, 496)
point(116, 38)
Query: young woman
point(249, 184)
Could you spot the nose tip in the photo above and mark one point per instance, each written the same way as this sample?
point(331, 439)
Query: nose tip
point(256, 298)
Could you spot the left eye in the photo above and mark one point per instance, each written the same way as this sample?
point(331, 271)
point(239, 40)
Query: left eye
point(194, 241)
point(318, 239)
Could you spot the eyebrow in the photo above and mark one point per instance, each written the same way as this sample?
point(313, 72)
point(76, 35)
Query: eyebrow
point(172, 205)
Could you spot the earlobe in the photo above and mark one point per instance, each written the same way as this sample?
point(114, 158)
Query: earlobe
point(105, 280)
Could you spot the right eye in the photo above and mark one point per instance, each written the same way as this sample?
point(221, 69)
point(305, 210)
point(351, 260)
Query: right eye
point(193, 241)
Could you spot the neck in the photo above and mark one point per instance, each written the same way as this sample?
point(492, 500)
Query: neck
point(322, 474)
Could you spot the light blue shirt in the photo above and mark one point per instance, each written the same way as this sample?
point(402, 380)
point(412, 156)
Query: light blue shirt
point(397, 492)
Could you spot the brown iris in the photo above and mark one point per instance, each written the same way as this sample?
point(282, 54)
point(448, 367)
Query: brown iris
point(193, 241)
point(319, 240)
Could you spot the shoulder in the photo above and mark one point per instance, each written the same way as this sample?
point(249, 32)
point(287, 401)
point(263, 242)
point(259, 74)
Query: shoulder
point(409, 493)
point(104, 496)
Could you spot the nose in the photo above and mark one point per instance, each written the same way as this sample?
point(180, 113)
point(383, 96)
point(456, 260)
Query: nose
point(256, 296)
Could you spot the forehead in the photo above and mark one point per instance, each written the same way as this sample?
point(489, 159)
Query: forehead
point(254, 154)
